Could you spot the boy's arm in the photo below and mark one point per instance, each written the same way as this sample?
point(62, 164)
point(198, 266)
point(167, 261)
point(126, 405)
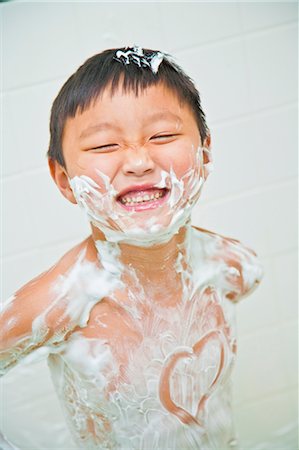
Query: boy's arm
point(243, 270)
point(28, 321)
point(42, 314)
point(238, 269)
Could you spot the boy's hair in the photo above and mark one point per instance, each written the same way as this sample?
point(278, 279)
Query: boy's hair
point(106, 70)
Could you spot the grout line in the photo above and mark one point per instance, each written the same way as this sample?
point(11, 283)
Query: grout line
point(214, 125)
point(29, 172)
point(45, 82)
point(257, 399)
point(177, 52)
point(45, 247)
point(235, 37)
point(278, 254)
point(248, 192)
point(257, 113)
point(267, 329)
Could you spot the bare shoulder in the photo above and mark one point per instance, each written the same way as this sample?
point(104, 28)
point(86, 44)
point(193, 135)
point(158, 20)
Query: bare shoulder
point(241, 270)
point(35, 296)
point(39, 285)
point(223, 245)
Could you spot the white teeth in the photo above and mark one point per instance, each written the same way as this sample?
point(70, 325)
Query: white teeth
point(142, 199)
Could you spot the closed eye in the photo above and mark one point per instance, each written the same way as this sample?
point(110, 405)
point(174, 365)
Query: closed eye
point(106, 147)
point(164, 137)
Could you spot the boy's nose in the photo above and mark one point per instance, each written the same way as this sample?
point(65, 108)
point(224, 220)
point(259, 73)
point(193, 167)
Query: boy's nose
point(137, 162)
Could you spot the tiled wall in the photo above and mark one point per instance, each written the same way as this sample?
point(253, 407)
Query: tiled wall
point(243, 57)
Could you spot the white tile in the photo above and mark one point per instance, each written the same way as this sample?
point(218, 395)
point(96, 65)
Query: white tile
point(17, 228)
point(54, 217)
point(219, 72)
point(259, 15)
point(275, 301)
point(108, 25)
point(26, 114)
point(196, 23)
point(289, 358)
point(264, 219)
point(254, 151)
point(269, 423)
point(36, 214)
point(272, 67)
point(39, 42)
point(261, 309)
point(53, 252)
point(261, 364)
point(20, 269)
point(286, 281)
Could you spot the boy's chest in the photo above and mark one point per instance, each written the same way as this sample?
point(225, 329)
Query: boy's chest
point(152, 364)
point(129, 340)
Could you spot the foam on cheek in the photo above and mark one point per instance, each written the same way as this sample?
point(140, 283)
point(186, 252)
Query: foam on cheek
point(120, 225)
point(75, 293)
point(209, 166)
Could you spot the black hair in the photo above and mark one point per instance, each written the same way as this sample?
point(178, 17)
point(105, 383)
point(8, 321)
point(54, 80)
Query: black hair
point(134, 73)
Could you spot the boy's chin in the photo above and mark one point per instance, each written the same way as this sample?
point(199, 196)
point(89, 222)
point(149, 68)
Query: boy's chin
point(146, 229)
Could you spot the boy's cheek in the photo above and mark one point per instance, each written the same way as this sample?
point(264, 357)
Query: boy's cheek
point(184, 158)
point(90, 164)
point(169, 154)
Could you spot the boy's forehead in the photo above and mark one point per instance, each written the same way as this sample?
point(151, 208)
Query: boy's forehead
point(139, 93)
point(157, 101)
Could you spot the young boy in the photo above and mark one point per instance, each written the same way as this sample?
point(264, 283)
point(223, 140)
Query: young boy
point(137, 321)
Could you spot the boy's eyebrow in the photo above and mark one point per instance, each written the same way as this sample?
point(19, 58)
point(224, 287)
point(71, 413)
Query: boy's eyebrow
point(152, 118)
point(164, 115)
point(98, 127)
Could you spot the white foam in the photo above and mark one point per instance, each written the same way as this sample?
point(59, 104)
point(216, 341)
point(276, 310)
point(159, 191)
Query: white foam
point(138, 57)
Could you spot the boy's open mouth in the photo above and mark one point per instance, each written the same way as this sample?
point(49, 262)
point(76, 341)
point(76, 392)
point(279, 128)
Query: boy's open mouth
point(143, 199)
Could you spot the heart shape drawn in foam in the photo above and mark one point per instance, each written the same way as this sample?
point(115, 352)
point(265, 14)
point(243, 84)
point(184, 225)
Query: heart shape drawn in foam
point(185, 353)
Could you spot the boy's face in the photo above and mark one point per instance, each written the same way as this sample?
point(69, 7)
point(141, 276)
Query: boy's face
point(126, 143)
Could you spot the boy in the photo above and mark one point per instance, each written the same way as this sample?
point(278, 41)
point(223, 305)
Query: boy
point(137, 320)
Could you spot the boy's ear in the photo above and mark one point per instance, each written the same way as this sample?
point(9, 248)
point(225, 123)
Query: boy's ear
point(61, 179)
point(207, 157)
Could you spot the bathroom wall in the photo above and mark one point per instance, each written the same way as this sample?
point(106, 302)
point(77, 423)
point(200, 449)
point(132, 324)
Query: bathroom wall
point(243, 58)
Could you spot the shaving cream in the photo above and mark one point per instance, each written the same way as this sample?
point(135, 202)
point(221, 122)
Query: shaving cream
point(137, 56)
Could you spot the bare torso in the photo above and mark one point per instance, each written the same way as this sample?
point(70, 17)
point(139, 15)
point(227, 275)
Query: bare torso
point(137, 363)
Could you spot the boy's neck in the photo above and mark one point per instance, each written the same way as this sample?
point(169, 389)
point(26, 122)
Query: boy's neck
point(154, 259)
point(151, 257)
point(155, 265)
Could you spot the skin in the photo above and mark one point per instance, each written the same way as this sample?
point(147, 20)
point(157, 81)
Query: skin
point(140, 154)
point(133, 150)
point(140, 145)
point(156, 133)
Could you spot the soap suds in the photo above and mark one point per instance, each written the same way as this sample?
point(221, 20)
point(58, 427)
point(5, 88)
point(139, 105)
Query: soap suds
point(120, 225)
point(137, 56)
point(132, 372)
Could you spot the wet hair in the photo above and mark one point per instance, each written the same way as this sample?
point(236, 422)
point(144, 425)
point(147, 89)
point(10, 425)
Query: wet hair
point(105, 70)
